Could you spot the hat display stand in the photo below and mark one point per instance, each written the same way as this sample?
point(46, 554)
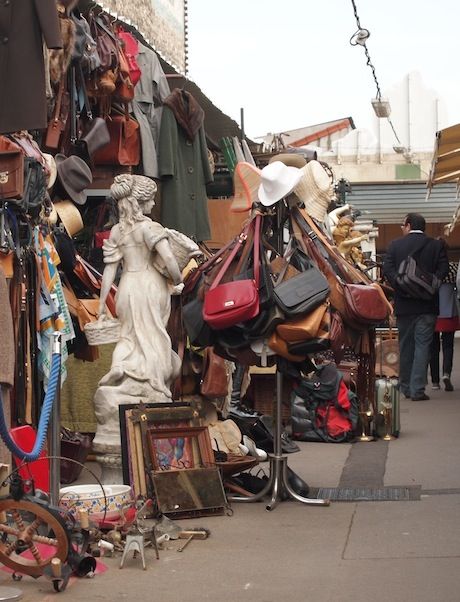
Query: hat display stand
point(278, 487)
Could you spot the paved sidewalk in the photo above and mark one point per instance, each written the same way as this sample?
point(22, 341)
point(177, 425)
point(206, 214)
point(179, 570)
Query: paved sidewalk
point(351, 551)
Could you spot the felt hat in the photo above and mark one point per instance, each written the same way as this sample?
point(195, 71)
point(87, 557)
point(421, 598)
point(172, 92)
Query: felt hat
point(315, 189)
point(51, 169)
point(69, 215)
point(74, 175)
point(290, 159)
point(277, 181)
point(246, 182)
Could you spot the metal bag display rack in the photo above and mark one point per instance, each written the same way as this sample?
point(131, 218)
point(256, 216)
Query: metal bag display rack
point(278, 480)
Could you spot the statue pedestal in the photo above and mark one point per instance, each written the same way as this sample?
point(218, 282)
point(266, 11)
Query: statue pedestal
point(111, 469)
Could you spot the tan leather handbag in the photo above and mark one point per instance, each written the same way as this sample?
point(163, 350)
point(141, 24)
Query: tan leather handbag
point(303, 328)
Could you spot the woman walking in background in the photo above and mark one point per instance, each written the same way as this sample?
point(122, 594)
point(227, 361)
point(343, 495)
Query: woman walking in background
point(446, 325)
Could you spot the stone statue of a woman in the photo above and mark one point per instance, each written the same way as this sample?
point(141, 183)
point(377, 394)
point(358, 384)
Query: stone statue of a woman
point(143, 363)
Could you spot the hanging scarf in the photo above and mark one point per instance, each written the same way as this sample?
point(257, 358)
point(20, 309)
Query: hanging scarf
point(53, 311)
point(188, 113)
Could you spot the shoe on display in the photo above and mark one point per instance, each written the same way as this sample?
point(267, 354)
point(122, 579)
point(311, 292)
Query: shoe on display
point(421, 397)
point(260, 454)
point(435, 386)
point(447, 383)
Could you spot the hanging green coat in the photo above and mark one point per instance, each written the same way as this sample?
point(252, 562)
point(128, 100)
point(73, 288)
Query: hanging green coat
point(185, 171)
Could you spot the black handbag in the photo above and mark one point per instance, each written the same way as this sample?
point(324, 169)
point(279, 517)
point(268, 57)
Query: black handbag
point(199, 333)
point(303, 292)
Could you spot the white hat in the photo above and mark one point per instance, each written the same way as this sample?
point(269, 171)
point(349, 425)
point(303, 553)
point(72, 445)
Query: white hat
point(315, 189)
point(277, 181)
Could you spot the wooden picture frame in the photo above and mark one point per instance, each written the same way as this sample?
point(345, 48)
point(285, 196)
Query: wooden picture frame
point(180, 448)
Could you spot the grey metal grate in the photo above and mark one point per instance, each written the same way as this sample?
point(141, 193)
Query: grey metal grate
point(369, 494)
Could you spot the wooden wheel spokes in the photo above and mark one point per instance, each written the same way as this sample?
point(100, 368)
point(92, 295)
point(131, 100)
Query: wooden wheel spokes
point(22, 547)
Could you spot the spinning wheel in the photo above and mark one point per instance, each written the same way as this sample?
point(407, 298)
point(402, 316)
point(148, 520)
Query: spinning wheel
point(23, 525)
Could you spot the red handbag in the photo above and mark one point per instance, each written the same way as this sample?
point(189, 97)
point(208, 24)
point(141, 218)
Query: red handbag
point(237, 301)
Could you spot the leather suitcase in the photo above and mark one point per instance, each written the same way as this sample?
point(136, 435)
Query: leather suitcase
point(388, 408)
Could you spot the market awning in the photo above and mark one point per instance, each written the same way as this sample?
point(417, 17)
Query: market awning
point(446, 158)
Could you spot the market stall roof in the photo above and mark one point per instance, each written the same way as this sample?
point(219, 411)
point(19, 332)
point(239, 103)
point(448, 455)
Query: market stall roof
point(389, 202)
point(445, 166)
point(313, 134)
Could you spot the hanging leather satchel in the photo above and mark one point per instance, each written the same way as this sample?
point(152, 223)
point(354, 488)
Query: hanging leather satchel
point(11, 174)
point(237, 301)
point(58, 122)
point(124, 147)
point(214, 382)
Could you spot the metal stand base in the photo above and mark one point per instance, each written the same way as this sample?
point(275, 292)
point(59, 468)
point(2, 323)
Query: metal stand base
point(276, 485)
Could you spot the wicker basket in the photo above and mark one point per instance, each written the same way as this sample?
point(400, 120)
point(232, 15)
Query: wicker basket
point(103, 332)
point(183, 248)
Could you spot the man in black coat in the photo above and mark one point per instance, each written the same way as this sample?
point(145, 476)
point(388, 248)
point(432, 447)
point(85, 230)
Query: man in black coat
point(416, 318)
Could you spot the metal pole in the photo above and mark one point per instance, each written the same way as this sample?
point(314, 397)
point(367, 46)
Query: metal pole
point(55, 433)
point(242, 124)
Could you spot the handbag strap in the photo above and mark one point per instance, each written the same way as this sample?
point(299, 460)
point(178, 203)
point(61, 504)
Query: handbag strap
point(348, 272)
point(58, 105)
point(253, 224)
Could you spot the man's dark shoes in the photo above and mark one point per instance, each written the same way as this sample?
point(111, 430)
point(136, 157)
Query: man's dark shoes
point(447, 383)
point(421, 397)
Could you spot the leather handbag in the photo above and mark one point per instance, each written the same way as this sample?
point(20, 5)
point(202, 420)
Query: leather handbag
point(199, 333)
point(124, 147)
point(11, 174)
point(366, 305)
point(131, 51)
point(280, 347)
point(338, 336)
point(302, 293)
point(58, 121)
point(305, 327)
point(237, 301)
point(92, 279)
point(321, 341)
point(214, 382)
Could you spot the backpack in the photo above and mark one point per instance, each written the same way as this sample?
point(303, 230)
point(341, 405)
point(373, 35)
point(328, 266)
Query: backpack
point(413, 281)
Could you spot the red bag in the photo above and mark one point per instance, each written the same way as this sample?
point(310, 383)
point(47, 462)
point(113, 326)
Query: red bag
point(228, 304)
point(366, 305)
point(131, 50)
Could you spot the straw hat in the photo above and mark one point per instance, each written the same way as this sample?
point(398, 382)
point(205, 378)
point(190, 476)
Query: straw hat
point(69, 216)
point(51, 168)
point(277, 181)
point(290, 159)
point(246, 181)
point(315, 189)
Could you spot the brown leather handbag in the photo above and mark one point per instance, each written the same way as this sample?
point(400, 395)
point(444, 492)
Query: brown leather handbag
point(366, 305)
point(280, 347)
point(124, 147)
point(214, 381)
point(303, 328)
point(58, 121)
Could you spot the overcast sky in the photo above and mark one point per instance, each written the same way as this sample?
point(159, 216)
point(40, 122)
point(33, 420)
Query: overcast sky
point(289, 63)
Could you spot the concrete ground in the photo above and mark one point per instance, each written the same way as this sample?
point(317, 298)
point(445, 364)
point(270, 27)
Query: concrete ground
point(350, 551)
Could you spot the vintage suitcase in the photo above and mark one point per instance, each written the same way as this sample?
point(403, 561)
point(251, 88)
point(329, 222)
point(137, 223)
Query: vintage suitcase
point(387, 422)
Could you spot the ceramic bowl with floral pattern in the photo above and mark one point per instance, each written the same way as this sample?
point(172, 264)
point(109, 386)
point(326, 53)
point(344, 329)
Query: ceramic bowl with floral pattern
point(91, 498)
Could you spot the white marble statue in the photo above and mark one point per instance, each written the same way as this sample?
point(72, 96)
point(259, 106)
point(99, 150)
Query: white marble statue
point(143, 363)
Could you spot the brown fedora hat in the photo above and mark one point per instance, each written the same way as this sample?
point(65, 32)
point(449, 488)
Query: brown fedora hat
point(290, 159)
point(74, 176)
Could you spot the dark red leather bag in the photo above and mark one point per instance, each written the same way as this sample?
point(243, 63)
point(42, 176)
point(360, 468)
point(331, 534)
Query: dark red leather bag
point(237, 301)
point(365, 304)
